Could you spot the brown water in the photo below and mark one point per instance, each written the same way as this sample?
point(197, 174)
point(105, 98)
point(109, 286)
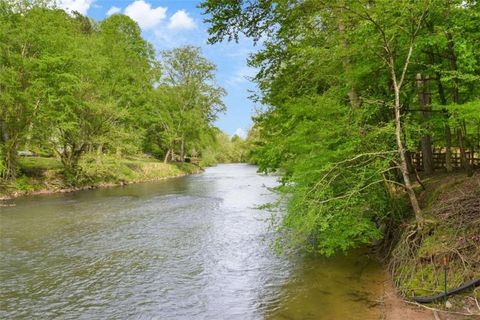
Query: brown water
point(186, 248)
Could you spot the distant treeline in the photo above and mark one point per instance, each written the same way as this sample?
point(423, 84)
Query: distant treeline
point(70, 85)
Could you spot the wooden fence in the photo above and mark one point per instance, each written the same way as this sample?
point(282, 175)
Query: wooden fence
point(439, 159)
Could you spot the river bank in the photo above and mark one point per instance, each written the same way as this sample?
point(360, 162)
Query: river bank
point(40, 175)
point(394, 307)
point(175, 249)
point(449, 241)
point(120, 223)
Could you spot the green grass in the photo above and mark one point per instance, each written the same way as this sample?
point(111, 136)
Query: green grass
point(112, 169)
point(41, 173)
point(30, 164)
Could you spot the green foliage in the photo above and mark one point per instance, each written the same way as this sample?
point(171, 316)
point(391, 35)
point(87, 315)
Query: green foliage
point(2, 164)
point(328, 75)
point(224, 150)
point(337, 195)
point(112, 169)
point(39, 163)
point(22, 183)
point(71, 86)
point(186, 103)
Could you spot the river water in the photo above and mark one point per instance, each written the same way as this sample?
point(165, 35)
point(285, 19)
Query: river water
point(194, 247)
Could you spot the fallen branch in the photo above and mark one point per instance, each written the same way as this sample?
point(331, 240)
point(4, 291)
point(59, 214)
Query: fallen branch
point(439, 310)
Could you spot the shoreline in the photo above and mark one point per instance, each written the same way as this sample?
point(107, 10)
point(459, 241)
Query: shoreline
point(451, 205)
point(100, 185)
point(395, 307)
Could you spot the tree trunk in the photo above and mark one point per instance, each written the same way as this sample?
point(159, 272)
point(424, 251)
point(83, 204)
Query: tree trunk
point(8, 153)
point(424, 102)
point(30, 126)
point(478, 135)
point(453, 66)
point(69, 165)
point(182, 150)
point(70, 157)
point(165, 160)
point(448, 148)
point(463, 156)
point(10, 160)
point(427, 155)
point(352, 93)
point(403, 161)
point(99, 153)
point(452, 57)
point(410, 167)
point(448, 131)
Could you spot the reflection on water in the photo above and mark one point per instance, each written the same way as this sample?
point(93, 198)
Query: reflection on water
point(185, 248)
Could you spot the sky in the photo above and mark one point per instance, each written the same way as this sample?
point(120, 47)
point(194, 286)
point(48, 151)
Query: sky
point(172, 23)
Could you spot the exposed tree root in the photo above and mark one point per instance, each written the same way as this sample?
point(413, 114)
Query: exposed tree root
point(416, 260)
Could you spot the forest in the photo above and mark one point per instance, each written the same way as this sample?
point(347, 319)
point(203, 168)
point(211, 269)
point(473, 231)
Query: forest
point(372, 115)
point(80, 90)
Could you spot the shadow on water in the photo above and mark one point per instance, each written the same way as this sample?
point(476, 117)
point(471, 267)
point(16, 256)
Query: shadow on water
point(341, 287)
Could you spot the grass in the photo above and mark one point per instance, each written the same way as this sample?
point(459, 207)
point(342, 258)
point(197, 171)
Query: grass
point(46, 174)
point(134, 169)
point(36, 164)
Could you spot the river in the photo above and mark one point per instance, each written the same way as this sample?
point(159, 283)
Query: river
point(194, 247)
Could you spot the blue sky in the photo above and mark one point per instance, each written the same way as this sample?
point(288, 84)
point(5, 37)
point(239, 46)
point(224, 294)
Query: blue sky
point(172, 23)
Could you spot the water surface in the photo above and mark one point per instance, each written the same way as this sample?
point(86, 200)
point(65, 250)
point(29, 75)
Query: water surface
point(186, 248)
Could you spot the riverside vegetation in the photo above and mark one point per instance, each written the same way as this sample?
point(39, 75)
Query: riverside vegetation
point(93, 103)
point(372, 115)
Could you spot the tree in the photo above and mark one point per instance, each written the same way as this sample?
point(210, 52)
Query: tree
point(409, 17)
point(193, 98)
point(70, 85)
point(27, 40)
point(76, 112)
point(129, 72)
point(338, 82)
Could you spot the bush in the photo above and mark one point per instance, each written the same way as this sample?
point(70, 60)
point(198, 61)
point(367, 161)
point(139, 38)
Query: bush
point(22, 183)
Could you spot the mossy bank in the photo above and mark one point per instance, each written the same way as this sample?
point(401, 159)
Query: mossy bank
point(449, 240)
point(41, 175)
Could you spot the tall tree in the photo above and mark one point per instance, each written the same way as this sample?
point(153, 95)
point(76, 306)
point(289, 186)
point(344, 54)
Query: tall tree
point(194, 98)
point(129, 73)
point(27, 41)
point(321, 56)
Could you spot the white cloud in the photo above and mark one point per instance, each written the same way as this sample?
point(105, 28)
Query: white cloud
point(180, 30)
point(242, 75)
point(146, 16)
point(181, 20)
point(81, 6)
point(241, 133)
point(113, 10)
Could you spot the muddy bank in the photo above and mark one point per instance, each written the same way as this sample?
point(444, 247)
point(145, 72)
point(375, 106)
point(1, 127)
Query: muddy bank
point(395, 308)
